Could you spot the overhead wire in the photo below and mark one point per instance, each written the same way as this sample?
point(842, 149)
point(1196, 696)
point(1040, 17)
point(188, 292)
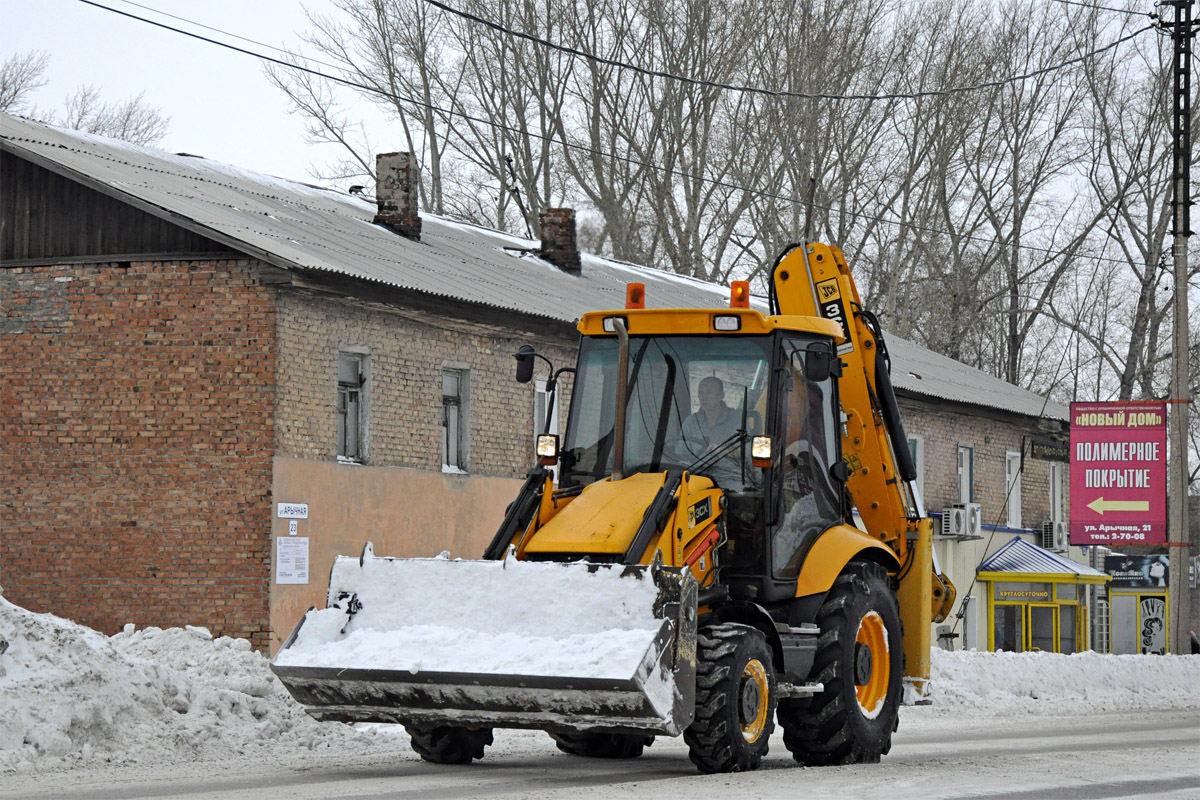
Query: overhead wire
point(577, 53)
point(585, 148)
point(1150, 14)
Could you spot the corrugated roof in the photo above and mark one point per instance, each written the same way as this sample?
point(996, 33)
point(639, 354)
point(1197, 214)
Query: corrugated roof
point(295, 225)
point(916, 369)
point(1019, 555)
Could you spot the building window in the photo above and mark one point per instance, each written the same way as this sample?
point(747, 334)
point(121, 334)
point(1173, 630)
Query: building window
point(966, 468)
point(351, 414)
point(1056, 492)
point(916, 446)
point(1012, 489)
point(541, 402)
point(454, 455)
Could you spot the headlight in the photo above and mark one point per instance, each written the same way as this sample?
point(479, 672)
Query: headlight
point(610, 324)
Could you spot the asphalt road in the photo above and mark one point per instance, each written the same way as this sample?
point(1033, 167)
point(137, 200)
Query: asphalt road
point(1033, 758)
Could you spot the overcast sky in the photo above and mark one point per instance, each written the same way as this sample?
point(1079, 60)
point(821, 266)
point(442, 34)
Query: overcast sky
point(220, 103)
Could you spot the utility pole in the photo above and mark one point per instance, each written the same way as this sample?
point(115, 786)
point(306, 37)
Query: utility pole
point(1178, 538)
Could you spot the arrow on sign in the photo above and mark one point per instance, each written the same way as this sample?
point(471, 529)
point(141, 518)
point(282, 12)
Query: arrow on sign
point(1100, 505)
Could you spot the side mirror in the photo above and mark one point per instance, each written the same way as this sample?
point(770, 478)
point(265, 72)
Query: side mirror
point(524, 357)
point(820, 363)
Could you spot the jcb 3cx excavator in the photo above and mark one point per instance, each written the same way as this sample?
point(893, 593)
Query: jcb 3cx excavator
point(693, 568)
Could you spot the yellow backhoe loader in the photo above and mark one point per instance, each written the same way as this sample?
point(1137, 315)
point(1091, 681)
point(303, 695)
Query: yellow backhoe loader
point(692, 565)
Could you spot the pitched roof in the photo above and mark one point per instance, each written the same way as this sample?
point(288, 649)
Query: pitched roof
point(920, 371)
point(1019, 555)
point(298, 226)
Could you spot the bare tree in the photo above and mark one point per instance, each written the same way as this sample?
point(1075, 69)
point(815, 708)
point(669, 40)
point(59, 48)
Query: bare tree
point(21, 74)
point(396, 50)
point(132, 120)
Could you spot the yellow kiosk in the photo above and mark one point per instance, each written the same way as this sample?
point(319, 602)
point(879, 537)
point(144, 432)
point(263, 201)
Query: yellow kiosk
point(1036, 599)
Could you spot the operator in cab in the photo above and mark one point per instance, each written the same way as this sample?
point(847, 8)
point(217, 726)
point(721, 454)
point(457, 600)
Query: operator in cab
point(711, 426)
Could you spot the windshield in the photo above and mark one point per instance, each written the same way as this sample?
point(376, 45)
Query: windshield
point(690, 397)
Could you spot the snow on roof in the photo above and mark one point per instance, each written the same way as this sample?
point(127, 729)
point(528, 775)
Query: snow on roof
point(1019, 555)
point(296, 225)
point(920, 371)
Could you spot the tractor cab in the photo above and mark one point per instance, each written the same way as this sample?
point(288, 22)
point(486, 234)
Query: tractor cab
point(746, 400)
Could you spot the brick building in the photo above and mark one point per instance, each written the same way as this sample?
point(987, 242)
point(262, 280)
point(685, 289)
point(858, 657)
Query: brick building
point(186, 347)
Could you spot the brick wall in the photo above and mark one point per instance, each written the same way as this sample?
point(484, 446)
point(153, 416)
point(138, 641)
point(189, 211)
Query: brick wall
point(404, 384)
point(944, 430)
point(136, 406)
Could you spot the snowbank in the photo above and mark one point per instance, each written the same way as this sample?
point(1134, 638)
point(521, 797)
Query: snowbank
point(71, 696)
point(1014, 684)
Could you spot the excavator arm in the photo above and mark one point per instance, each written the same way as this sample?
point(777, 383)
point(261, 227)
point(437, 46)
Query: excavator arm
point(814, 280)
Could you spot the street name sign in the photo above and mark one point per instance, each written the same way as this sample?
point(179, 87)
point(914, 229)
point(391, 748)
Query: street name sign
point(1118, 473)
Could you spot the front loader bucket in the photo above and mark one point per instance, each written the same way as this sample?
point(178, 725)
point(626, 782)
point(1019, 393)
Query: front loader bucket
point(507, 644)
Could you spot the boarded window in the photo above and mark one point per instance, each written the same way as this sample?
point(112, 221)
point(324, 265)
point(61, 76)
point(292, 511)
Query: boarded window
point(350, 407)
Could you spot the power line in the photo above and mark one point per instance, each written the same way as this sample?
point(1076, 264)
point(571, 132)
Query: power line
point(1149, 14)
point(221, 31)
point(772, 92)
point(579, 147)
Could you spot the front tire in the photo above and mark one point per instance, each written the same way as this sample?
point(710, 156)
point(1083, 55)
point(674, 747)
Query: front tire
point(860, 661)
point(735, 699)
point(601, 745)
point(449, 745)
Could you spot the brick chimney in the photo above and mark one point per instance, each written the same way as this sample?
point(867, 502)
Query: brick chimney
point(558, 238)
point(397, 179)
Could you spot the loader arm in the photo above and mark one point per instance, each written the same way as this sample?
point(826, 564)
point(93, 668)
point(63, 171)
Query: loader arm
point(815, 280)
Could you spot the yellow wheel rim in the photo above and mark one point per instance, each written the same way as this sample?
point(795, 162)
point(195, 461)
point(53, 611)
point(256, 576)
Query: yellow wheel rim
point(754, 693)
point(872, 664)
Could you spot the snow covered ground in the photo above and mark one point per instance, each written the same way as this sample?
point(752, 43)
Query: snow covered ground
point(72, 698)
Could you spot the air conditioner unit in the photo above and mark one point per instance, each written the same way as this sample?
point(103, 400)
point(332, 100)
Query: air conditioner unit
point(1055, 536)
point(962, 521)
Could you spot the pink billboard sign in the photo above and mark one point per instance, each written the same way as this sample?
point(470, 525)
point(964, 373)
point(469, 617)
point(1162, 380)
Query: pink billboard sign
point(1118, 473)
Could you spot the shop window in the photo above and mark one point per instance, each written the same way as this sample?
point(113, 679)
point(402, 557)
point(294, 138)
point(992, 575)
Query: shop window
point(1008, 625)
point(1102, 643)
point(1042, 634)
point(1067, 630)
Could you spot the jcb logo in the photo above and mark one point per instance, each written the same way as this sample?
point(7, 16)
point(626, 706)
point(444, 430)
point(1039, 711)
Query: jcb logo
point(829, 291)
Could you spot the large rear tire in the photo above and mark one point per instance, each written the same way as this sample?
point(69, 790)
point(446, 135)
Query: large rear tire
point(860, 662)
point(449, 745)
point(735, 699)
point(601, 745)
